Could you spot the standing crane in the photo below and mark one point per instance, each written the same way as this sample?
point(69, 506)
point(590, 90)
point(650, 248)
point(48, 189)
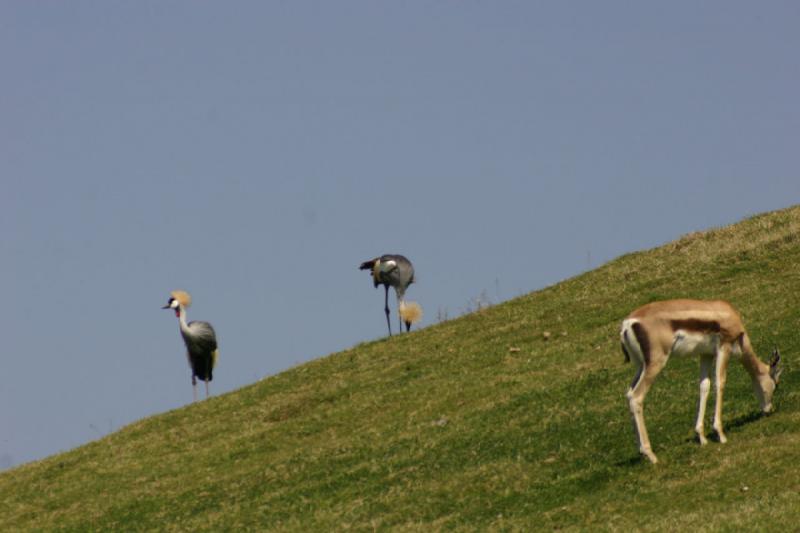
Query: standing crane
point(200, 340)
point(396, 271)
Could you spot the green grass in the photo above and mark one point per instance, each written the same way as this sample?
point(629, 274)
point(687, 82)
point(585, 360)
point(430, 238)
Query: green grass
point(478, 423)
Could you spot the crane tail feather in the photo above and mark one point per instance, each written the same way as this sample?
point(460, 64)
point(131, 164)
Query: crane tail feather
point(367, 265)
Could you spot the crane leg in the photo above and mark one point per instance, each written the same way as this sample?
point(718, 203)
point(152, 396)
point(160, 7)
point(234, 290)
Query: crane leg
point(386, 309)
point(194, 388)
point(399, 314)
point(206, 388)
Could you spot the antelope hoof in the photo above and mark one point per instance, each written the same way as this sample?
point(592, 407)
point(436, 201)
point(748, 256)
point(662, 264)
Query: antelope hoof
point(722, 438)
point(650, 455)
point(702, 438)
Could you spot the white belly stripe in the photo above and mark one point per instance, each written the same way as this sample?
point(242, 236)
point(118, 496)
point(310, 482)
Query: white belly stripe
point(694, 343)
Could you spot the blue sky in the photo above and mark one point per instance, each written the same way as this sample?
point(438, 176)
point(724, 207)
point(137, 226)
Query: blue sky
point(254, 153)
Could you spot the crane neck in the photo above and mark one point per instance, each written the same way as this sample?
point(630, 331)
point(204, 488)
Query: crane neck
point(182, 318)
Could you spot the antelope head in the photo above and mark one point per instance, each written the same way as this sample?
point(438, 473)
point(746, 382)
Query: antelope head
point(775, 368)
point(768, 386)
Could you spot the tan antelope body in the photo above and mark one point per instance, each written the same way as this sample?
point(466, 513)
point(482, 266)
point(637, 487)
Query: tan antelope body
point(711, 330)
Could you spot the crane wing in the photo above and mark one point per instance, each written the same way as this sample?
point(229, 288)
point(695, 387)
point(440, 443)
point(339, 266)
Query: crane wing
point(201, 337)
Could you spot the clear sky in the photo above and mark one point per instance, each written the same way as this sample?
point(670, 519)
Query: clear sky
point(254, 153)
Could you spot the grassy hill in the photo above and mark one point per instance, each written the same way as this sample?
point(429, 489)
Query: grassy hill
point(510, 418)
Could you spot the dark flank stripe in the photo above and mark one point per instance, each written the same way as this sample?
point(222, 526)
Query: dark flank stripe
point(703, 326)
point(643, 340)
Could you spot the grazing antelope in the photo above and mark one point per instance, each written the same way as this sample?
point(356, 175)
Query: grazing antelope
point(396, 271)
point(711, 330)
point(200, 340)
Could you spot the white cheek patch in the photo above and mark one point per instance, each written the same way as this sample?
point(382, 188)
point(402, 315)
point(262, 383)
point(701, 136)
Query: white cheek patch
point(173, 304)
point(694, 343)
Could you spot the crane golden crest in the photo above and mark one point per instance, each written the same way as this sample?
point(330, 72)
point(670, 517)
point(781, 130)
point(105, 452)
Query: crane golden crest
point(183, 297)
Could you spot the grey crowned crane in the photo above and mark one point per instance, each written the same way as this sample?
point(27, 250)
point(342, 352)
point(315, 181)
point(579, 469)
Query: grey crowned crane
point(396, 271)
point(200, 340)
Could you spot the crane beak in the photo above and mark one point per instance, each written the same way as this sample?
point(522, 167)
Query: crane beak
point(165, 307)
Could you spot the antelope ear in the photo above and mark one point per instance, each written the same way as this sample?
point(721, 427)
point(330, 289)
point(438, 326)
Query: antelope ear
point(775, 368)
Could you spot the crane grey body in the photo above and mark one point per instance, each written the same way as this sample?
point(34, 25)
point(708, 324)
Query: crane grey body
point(391, 270)
point(200, 340)
point(201, 345)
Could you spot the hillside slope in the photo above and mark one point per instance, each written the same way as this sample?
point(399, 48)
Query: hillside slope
point(484, 422)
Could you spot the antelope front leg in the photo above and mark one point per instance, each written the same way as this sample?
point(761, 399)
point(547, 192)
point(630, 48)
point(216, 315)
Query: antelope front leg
point(705, 388)
point(723, 355)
